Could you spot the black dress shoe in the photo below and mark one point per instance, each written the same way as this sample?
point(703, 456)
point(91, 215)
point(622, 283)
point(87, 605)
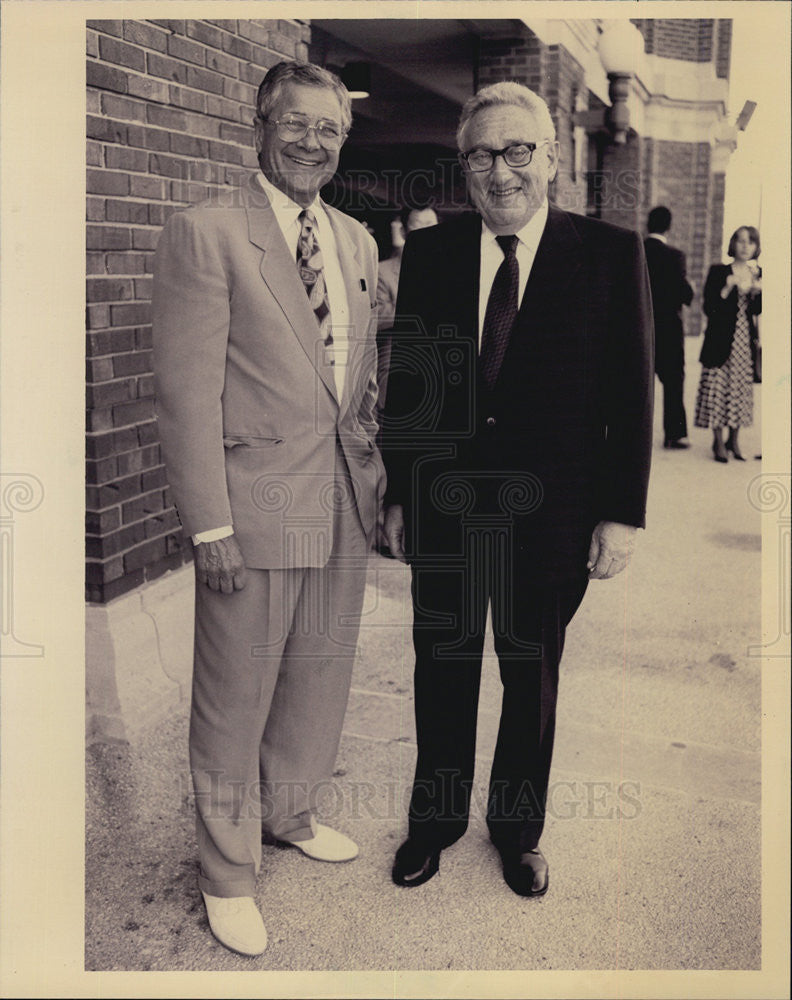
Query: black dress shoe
point(414, 863)
point(527, 874)
point(735, 452)
point(677, 444)
point(719, 458)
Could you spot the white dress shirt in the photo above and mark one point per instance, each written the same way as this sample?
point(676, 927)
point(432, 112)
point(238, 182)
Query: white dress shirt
point(287, 216)
point(492, 257)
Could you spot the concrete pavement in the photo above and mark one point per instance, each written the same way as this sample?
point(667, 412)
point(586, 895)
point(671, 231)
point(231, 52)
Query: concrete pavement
point(653, 833)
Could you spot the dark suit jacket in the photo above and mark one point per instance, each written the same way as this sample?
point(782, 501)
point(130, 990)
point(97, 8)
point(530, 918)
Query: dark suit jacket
point(564, 439)
point(722, 316)
point(670, 291)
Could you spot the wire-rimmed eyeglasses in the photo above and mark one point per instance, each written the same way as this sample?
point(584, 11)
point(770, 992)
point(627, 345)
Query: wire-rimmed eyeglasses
point(292, 128)
point(517, 155)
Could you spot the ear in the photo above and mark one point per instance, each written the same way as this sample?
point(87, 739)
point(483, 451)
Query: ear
point(553, 157)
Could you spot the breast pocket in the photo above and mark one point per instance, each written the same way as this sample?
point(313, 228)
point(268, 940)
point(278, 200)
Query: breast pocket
point(250, 441)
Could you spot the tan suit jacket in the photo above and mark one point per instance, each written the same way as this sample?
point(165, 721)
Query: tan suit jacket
point(247, 405)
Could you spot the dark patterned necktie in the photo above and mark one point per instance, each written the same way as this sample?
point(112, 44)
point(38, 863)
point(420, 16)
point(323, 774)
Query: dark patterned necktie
point(311, 268)
point(501, 312)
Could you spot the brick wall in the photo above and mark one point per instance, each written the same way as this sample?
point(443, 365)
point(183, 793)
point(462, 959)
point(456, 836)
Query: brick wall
point(169, 109)
point(691, 39)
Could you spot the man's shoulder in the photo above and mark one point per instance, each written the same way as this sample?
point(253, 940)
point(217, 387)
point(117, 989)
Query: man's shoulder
point(594, 230)
point(458, 229)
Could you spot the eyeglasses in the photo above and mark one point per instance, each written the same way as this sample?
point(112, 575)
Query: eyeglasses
point(292, 128)
point(518, 155)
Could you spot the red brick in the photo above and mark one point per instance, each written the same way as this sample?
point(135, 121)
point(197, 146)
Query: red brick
point(282, 44)
point(168, 521)
point(167, 118)
point(145, 239)
point(95, 209)
point(123, 107)
point(106, 394)
point(91, 43)
point(145, 34)
point(148, 433)
point(98, 572)
point(142, 507)
point(97, 317)
point(120, 490)
point(137, 461)
point(210, 173)
point(174, 27)
point(154, 478)
point(133, 413)
point(101, 471)
point(106, 130)
point(95, 263)
point(109, 341)
point(122, 54)
point(125, 263)
point(107, 238)
point(188, 145)
point(147, 138)
point(98, 421)
point(131, 364)
point(105, 77)
point(145, 386)
point(220, 107)
point(236, 133)
point(192, 100)
point(238, 47)
point(148, 89)
point(107, 27)
point(127, 211)
point(130, 315)
point(115, 542)
point(123, 158)
point(222, 63)
point(168, 166)
point(242, 93)
point(166, 68)
point(143, 338)
point(190, 193)
point(108, 289)
point(143, 288)
point(255, 31)
point(125, 439)
point(182, 48)
point(98, 370)
point(203, 32)
point(147, 187)
point(292, 30)
point(105, 592)
point(144, 554)
point(203, 79)
point(225, 152)
point(105, 182)
point(162, 566)
point(102, 522)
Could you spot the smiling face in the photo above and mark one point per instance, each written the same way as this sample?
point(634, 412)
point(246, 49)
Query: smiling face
point(508, 197)
point(744, 246)
point(298, 169)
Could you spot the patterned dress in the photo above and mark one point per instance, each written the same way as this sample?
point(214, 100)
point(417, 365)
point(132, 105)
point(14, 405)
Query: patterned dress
point(725, 394)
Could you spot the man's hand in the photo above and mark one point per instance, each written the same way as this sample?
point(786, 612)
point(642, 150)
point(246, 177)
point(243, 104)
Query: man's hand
point(220, 565)
point(393, 529)
point(610, 549)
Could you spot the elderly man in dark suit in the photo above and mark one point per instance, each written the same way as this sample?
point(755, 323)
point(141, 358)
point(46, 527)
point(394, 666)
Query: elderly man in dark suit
point(517, 443)
point(265, 359)
point(670, 291)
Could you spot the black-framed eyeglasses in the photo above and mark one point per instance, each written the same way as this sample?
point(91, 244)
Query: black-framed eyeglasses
point(292, 128)
point(517, 155)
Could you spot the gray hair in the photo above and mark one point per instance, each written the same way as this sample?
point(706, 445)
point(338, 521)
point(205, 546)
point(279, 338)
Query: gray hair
point(507, 92)
point(302, 73)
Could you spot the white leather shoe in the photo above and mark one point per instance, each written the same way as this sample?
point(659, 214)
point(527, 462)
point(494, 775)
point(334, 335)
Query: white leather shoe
point(328, 845)
point(236, 923)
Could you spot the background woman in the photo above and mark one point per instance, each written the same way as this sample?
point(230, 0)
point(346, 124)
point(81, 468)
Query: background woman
point(732, 301)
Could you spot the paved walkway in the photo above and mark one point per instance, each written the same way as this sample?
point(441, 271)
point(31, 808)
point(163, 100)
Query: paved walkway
point(653, 833)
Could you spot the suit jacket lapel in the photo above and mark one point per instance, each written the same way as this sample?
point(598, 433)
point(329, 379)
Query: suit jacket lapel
point(557, 261)
point(359, 305)
point(279, 271)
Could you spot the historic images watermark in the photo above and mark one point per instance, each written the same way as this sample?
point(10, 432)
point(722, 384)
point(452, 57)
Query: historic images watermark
point(20, 493)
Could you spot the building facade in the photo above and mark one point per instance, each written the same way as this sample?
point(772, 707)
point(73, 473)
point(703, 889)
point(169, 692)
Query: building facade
point(169, 119)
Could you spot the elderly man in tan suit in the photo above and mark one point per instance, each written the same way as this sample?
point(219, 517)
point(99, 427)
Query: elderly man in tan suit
point(265, 359)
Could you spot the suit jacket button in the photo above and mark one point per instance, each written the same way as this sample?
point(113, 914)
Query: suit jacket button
point(491, 421)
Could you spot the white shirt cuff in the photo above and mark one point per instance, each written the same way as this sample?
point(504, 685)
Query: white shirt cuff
point(213, 534)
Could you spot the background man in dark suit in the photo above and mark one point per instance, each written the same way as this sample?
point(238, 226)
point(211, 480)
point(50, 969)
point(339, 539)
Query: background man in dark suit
point(670, 291)
point(517, 443)
point(265, 358)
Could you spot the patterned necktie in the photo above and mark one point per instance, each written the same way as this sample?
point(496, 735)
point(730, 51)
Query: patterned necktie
point(311, 268)
point(501, 312)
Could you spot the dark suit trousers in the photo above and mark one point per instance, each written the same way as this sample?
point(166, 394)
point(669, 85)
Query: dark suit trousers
point(674, 417)
point(529, 622)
